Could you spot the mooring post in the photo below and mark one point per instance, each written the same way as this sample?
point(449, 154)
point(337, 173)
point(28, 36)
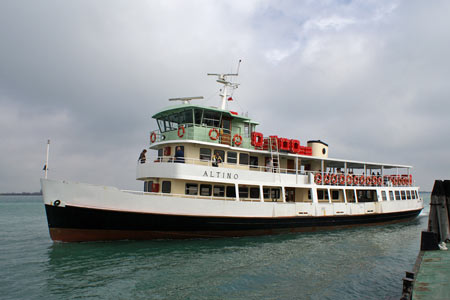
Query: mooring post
point(438, 220)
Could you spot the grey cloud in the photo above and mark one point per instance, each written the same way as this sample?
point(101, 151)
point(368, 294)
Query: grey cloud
point(370, 78)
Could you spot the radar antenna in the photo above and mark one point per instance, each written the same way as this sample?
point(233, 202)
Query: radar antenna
point(186, 100)
point(228, 85)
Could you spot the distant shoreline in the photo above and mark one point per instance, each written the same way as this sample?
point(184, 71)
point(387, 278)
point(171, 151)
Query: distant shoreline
point(22, 194)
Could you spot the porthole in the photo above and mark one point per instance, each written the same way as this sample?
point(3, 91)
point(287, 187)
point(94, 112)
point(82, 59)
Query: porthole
point(324, 151)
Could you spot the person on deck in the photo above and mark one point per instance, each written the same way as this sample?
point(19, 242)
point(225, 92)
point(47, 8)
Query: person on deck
point(142, 156)
point(179, 155)
point(216, 160)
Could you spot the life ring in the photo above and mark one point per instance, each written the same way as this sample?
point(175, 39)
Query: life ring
point(342, 179)
point(318, 178)
point(214, 137)
point(394, 180)
point(182, 131)
point(380, 180)
point(326, 178)
point(333, 178)
point(355, 179)
point(238, 138)
point(349, 180)
point(153, 137)
point(362, 180)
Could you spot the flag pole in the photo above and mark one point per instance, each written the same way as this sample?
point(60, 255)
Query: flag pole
point(46, 160)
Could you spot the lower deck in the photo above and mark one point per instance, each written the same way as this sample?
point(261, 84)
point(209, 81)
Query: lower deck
point(277, 193)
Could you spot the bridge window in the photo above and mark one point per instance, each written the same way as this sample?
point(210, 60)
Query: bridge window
point(211, 118)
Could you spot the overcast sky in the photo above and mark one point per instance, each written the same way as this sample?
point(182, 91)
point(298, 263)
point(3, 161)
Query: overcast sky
point(371, 78)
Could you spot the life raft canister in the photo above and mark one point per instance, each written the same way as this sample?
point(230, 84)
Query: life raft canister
point(257, 139)
point(214, 137)
point(237, 139)
point(181, 134)
point(295, 146)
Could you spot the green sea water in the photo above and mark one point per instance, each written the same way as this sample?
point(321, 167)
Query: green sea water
point(361, 263)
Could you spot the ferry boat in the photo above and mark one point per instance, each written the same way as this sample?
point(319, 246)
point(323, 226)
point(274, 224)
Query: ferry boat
point(213, 174)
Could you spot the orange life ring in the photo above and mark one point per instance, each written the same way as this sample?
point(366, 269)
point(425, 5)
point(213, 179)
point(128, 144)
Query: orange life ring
point(214, 137)
point(235, 137)
point(362, 180)
point(349, 180)
point(318, 178)
point(355, 179)
point(182, 131)
point(380, 180)
point(342, 179)
point(326, 178)
point(374, 180)
point(333, 178)
point(153, 137)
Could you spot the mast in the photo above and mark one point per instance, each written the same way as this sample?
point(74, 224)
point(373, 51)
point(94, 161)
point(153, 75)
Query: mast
point(46, 160)
point(228, 85)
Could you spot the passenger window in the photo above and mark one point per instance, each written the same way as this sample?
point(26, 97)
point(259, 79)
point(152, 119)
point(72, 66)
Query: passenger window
point(191, 189)
point(148, 186)
point(266, 193)
point(403, 195)
point(219, 191)
point(254, 192)
point(205, 154)
point(335, 195)
point(232, 157)
point(231, 191)
point(408, 195)
point(243, 192)
point(166, 187)
point(391, 195)
point(275, 193)
point(397, 195)
point(383, 195)
point(243, 158)
point(205, 190)
point(253, 162)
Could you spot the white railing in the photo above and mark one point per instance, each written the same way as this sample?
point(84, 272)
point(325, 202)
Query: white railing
point(210, 163)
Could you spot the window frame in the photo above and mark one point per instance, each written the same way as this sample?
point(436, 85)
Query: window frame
point(165, 182)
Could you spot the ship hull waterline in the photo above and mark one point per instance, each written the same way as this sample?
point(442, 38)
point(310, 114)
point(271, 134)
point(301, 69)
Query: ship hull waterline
point(78, 224)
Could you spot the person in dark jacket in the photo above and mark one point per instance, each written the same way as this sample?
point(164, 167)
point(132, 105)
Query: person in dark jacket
point(179, 155)
point(142, 156)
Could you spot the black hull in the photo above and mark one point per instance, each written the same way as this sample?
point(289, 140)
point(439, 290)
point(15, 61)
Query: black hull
point(75, 224)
